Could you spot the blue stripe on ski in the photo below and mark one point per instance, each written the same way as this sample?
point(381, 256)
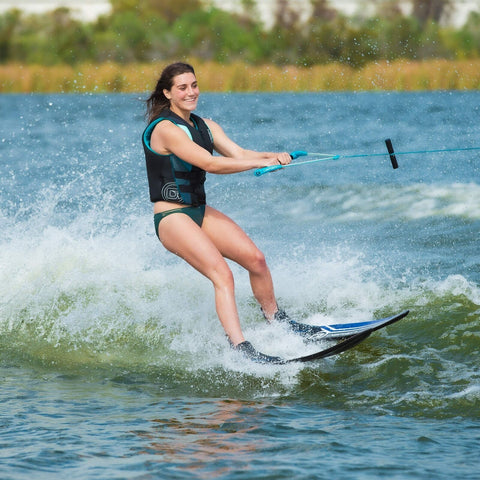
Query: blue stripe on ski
point(339, 330)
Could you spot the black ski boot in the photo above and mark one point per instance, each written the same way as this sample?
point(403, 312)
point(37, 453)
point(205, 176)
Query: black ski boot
point(301, 328)
point(248, 350)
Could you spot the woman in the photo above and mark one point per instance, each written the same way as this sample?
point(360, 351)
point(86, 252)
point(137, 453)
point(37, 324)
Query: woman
point(179, 149)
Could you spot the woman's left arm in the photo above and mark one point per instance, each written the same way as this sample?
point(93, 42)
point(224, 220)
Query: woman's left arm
point(228, 148)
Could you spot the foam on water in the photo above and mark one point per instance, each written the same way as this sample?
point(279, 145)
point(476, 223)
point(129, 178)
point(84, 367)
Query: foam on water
point(117, 296)
point(359, 202)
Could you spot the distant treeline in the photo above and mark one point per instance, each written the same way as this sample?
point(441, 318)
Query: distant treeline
point(148, 31)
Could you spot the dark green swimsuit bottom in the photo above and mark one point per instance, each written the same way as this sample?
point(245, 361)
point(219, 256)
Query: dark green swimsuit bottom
point(195, 213)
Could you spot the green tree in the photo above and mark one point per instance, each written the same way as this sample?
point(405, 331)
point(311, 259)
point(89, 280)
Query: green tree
point(70, 39)
point(324, 41)
point(215, 35)
point(171, 10)
point(146, 30)
point(397, 37)
point(122, 6)
point(51, 38)
point(123, 38)
point(8, 24)
point(466, 41)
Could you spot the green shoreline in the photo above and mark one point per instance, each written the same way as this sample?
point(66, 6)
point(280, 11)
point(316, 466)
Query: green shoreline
point(400, 75)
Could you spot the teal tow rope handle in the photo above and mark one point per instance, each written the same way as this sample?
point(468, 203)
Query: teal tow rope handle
point(261, 171)
point(297, 153)
point(272, 168)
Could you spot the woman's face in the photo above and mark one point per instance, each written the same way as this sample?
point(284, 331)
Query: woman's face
point(184, 93)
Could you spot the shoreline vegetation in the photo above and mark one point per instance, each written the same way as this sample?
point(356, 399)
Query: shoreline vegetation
point(381, 48)
point(398, 75)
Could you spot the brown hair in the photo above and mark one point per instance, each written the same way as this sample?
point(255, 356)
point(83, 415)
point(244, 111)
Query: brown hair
point(157, 100)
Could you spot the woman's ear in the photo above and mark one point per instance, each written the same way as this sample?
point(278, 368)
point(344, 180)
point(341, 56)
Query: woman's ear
point(167, 94)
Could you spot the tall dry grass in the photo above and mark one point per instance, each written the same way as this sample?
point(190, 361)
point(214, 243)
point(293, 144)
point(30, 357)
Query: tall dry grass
point(400, 75)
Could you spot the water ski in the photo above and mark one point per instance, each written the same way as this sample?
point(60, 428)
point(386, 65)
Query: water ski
point(353, 336)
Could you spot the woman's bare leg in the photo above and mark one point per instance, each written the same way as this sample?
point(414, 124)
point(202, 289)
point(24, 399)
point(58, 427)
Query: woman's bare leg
point(182, 236)
point(234, 243)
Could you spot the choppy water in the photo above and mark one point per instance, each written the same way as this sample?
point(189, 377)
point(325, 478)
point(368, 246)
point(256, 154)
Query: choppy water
point(112, 361)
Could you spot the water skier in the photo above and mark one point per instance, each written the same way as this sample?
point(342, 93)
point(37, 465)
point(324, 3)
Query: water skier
point(179, 149)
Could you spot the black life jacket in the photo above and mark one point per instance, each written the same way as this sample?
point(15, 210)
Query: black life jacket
point(170, 178)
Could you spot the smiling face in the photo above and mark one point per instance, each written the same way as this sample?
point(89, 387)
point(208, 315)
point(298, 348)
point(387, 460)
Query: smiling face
point(183, 95)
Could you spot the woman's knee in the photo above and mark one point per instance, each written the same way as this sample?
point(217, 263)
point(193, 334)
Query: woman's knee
point(222, 276)
point(257, 262)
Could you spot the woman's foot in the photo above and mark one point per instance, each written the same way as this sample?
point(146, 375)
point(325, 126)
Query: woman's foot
point(248, 350)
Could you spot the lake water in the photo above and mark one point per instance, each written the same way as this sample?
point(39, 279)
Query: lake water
point(112, 361)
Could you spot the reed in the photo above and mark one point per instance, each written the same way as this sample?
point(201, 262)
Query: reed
point(400, 75)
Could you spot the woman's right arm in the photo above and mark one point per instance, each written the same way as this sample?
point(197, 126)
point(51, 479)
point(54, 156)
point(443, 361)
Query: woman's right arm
point(168, 138)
